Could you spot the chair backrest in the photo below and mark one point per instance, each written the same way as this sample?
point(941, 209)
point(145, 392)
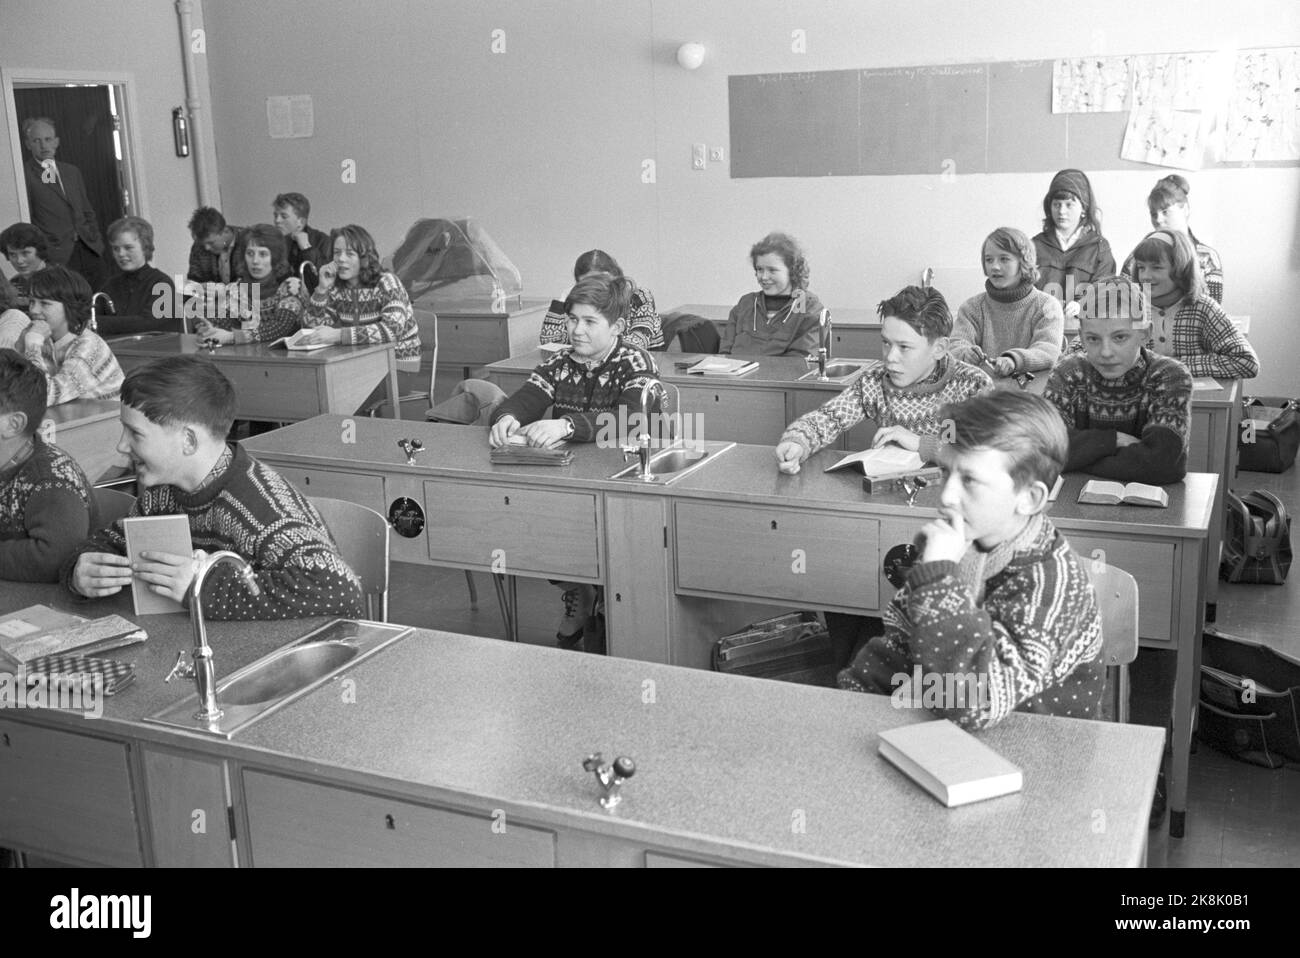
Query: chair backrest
point(111, 506)
point(362, 537)
point(1117, 598)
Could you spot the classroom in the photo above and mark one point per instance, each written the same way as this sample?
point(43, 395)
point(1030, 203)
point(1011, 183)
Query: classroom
point(889, 140)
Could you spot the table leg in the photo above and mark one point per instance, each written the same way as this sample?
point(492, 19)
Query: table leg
point(1191, 599)
point(393, 391)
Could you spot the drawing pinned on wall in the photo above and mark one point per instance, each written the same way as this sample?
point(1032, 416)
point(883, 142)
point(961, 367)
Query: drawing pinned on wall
point(1175, 81)
point(290, 117)
point(1090, 85)
point(1165, 137)
point(1263, 113)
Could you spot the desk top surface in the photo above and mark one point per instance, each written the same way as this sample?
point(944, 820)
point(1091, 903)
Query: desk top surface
point(478, 311)
point(741, 474)
point(851, 316)
point(719, 758)
point(82, 411)
point(149, 346)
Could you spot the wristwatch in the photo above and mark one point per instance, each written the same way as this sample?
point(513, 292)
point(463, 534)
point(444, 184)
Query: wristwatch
point(568, 433)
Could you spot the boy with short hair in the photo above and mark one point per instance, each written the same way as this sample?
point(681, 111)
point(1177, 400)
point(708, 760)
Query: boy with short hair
point(176, 413)
point(46, 506)
point(1128, 409)
point(305, 243)
point(997, 592)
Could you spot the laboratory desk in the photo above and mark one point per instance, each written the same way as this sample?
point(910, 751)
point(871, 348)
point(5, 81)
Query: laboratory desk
point(279, 385)
point(855, 332)
point(88, 431)
point(736, 530)
point(451, 750)
point(462, 339)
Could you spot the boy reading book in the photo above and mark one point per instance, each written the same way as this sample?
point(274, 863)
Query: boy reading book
point(997, 593)
point(46, 508)
point(1127, 409)
point(176, 413)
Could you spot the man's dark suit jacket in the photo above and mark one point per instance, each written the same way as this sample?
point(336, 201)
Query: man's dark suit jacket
point(65, 213)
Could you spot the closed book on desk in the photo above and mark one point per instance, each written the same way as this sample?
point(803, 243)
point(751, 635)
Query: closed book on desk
point(950, 763)
point(723, 366)
point(79, 636)
point(887, 460)
point(170, 534)
point(1098, 493)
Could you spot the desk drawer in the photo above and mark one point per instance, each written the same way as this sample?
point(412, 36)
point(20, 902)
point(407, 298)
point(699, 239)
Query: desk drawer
point(520, 531)
point(473, 342)
point(364, 490)
point(297, 824)
point(855, 342)
point(1152, 564)
point(778, 554)
point(279, 393)
point(754, 416)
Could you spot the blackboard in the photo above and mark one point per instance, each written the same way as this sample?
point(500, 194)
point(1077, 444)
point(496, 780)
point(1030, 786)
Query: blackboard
point(957, 119)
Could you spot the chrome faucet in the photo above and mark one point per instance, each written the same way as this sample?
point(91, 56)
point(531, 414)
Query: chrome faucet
point(824, 345)
point(611, 777)
point(202, 669)
point(94, 319)
point(411, 447)
point(642, 447)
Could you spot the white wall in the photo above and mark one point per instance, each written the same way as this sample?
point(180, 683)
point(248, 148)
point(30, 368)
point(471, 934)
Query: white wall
point(544, 142)
point(140, 37)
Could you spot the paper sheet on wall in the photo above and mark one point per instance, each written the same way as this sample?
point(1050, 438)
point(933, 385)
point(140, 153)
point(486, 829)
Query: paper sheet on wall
point(1174, 81)
point(1090, 85)
point(1165, 137)
point(1263, 114)
point(290, 117)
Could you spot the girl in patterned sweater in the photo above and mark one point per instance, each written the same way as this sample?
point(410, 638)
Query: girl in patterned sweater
point(998, 615)
point(1186, 323)
point(268, 303)
point(644, 328)
point(359, 302)
point(76, 362)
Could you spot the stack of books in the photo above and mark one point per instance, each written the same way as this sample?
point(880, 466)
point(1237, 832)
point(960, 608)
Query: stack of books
point(791, 648)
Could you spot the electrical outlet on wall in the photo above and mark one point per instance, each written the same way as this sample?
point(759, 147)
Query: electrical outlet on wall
point(698, 162)
point(716, 154)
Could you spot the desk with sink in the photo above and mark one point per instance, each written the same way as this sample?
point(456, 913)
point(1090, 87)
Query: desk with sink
point(419, 754)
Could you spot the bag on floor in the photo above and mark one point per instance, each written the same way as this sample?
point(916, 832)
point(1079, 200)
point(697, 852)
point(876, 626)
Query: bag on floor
point(1256, 539)
point(1270, 434)
point(1249, 701)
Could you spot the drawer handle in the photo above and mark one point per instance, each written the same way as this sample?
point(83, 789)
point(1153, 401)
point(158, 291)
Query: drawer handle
point(389, 823)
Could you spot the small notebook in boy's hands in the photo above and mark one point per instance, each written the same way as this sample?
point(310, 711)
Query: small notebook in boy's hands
point(887, 460)
point(155, 534)
point(296, 342)
point(1095, 492)
point(723, 366)
point(950, 763)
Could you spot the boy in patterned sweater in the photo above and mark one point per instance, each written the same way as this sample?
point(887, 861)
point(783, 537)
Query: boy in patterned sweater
point(1128, 410)
point(46, 508)
point(902, 395)
point(176, 413)
point(997, 600)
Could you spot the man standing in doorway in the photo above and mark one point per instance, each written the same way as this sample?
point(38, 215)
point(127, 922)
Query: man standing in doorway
point(60, 206)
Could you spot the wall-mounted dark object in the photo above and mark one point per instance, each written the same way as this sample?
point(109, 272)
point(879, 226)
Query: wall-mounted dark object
point(181, 130)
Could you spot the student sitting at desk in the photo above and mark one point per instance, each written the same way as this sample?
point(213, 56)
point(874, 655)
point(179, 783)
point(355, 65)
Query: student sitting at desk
point(644, 328)
point(176, 414)
point(267, 301)
point(1128, 410)
point(1012, 326)
point(598, 382)
point(997, 591)
point(781, 318)
point(46, 508)
point(305, 243)
point(76, 361)
point(13, 321)
point(28, 250)
point(1186, 323)
point(1167, 203)
point(1071, 250)
point(143, 296)
point(359, 302)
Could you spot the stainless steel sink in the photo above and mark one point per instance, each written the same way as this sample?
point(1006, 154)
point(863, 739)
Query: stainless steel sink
point(669, 465)
point(282, 676)
point(835, 372)
point(136, 337)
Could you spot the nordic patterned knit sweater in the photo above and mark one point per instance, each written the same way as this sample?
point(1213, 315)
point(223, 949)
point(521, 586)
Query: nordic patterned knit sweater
point(46, 512)
point(143, 300)
point(1022, 618)
point(1152, 401)
point(1211, 269)
point(873, 396)
point(1028, 329)
point(756, 327)
point(370, 314)
point(644, 328)
point(78, 366)
point(581, 392)
point(278, 313)
point(1064, 272)
point(251, 510)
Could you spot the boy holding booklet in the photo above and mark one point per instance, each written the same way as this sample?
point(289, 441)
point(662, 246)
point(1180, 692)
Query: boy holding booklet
point(46, 508)
point(1127, 409)
point(176, 413)
point(997, 592)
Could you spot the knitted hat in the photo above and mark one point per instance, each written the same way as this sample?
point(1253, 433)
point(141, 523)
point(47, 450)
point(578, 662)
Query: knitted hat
point(1069, 181)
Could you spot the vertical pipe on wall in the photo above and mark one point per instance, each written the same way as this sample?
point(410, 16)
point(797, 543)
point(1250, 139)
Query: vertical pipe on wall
point(192, 103)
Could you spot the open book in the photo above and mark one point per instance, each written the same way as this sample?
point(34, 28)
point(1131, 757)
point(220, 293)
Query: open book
point(950, 763)
point(296, 342)
point(1098, 493)
point(888, 460)
point(723, 366)
point(155, 534)
point(38, 631)
point(1204, 383)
